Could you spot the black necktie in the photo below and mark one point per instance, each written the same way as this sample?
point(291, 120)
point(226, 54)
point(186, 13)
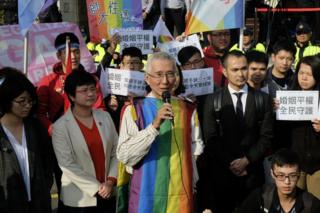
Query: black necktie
point(239, 107)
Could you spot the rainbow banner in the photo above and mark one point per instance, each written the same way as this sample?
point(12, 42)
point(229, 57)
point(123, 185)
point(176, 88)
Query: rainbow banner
point(207, 15)
point(162, 180)
point(107, 15)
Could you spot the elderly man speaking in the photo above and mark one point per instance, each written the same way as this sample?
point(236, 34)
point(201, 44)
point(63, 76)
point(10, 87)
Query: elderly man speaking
point(159, 139)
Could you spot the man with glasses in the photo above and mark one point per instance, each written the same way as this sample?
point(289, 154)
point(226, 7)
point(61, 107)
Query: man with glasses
point(158, 140)
point(131, 59)
point(283, 196)
point(219, 41)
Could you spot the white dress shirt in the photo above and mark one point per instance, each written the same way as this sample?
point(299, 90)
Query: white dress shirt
point(21, 151)
point(244, 96)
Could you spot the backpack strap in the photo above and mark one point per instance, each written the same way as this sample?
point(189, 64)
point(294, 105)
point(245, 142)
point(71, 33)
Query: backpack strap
point(267, 196)
point(259, 102)
point(307, 202)
point(217, 103)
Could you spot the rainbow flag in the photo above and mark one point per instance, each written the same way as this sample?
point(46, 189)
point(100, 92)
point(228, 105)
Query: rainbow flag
point(207, 15)
point(162, 180)
point(106, 15)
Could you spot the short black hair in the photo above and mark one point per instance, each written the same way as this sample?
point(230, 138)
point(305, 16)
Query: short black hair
point(61, 39)
point(76, 78)
point(284, 45)
point(186, 53)
point(285, 157)
point(12, 84)
point(257, 56)
point(131, 51)
point(234, 53)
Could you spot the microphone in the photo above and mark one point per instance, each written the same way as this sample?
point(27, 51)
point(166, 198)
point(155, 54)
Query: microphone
point(166, 98)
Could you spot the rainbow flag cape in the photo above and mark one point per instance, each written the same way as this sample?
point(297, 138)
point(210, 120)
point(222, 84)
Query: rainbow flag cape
point(162, 180)
point(207, 15)
point(106, 15)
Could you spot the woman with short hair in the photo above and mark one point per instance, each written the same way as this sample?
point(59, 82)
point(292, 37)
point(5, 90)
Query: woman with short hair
point(25, 148)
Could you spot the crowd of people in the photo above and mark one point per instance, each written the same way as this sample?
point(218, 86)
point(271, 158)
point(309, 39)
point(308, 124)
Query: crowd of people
point(223, 152)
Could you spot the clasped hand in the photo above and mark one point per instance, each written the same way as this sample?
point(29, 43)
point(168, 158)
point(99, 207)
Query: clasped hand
point(105, 189)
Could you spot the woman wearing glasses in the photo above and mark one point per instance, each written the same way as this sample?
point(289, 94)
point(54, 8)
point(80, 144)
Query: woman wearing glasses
point(25, 150)
point(85, 141)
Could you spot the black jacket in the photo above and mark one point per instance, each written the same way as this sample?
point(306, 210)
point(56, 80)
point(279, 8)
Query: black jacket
point(234, 143)
point(13, 194)
point(306, 142)
point(254, 203)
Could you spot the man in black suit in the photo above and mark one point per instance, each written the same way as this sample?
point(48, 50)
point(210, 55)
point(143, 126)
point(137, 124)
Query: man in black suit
point(237, 134)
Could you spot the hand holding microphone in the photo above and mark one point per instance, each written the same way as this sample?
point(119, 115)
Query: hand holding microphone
point(165, 112)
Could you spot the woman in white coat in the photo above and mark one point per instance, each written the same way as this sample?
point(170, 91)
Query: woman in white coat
point(85, 141)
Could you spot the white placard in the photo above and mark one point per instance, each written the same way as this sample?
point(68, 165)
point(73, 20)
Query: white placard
point(174, 47)
point(297, 105)
point(198, 82)
point(124, 82)
point(142, 39)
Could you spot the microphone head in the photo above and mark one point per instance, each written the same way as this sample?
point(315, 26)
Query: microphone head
point(166, 96)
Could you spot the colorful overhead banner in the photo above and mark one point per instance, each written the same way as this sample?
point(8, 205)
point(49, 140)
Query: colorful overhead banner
point(107, 15)
point(41, 52)
point(207, 15)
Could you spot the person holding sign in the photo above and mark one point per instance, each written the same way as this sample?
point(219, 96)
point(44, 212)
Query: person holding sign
point(159, 138)
point(305, 134)
point(237, 134)
point(190, 59)
point(131, 59)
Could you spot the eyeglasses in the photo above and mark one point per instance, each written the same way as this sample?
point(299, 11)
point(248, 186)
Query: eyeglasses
point(160, 75)
point(87, 90)
point(25, 102)
point(282, 177)
point(192, 63)
point(221, 34)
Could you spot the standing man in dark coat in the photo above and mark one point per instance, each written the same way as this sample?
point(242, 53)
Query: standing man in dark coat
point(236, 135)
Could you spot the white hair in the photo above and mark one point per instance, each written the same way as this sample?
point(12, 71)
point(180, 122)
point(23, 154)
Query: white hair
point(161, 56)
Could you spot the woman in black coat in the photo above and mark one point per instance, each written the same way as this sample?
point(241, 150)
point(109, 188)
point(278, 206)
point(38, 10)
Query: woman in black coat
point(305, 135)
point(25, 150)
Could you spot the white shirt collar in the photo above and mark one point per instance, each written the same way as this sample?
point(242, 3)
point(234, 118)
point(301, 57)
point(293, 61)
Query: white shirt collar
point(244, 89)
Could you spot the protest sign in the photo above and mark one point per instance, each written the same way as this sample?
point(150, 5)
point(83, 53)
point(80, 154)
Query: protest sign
point(174, 47)
point(297, 105)
point(207, 15)
point(142, 39)
point(106, 15)
point(198, 81)
point(41, 51)
point(122, 82)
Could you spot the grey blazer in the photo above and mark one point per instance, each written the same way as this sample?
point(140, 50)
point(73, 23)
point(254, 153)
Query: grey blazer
point(78, 182)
